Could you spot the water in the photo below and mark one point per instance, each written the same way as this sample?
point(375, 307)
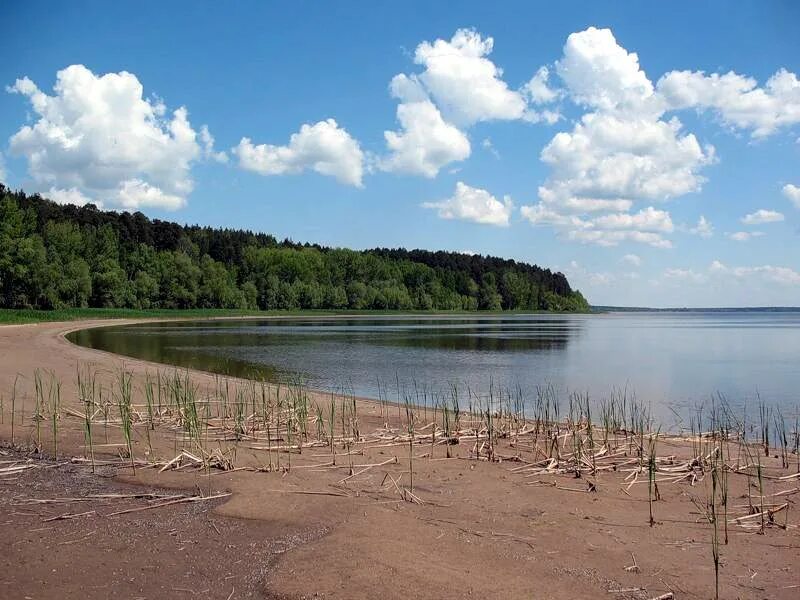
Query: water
point(673, 361)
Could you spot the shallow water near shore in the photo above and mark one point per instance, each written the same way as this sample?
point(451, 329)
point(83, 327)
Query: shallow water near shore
point(672, 361)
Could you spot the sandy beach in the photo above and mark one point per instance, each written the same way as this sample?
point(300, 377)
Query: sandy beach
point(304, 527)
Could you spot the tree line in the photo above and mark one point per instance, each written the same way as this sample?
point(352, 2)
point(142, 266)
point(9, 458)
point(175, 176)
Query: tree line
point(64, 256)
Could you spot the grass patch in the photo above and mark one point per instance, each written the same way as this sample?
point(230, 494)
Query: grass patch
point(9, 316)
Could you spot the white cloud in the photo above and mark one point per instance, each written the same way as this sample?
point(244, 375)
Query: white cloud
point(426, 142)
point(762, 216)
point(538, 89)
point(487, 145)
point(474, 204)
point(684, 275)
point(648, 219)
point(582, 278)
point(781, 275)
point(704, 228)
point(70, 196)
point(792, 192)
point(606, 156)
point(632, 259)
point(620, 153)
point(737, 99)
point(646, 226)
point(721, 285)
point(744, 236)
point(601, 74)
point(208, 146)
point(135, 193)
point(613, 238)
point(467, 86)
point(323, 147)
point(98, 135)
point(458, 87)
point(2, 168)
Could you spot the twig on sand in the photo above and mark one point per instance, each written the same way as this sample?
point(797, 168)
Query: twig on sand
point(169, 503)
point(66, 516)
point(312, 493)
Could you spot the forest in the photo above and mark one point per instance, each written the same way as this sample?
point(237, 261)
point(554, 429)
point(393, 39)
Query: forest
point(55, 256)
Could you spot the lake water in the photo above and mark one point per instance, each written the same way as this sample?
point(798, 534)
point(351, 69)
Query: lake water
point(672, 361)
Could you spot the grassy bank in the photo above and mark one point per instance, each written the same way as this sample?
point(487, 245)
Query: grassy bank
point(20, 316)
point(13, 316)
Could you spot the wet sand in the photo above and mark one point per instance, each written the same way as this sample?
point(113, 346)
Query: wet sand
point(482, 530)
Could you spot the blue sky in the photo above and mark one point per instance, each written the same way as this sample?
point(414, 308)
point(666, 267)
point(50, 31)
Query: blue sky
point(601, 169)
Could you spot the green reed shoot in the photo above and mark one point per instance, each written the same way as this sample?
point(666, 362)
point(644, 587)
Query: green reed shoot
point(713, 518)
point(149, 400)
point(54, 397)
point(148, 394)
point(331, 426)
point(13, 406)
point(86, 393)
point(764, 414)
point(124, 405)
point(38, 411)
point(783, 440)
point(410, 429)
point(652, 485)
point(239, 408)
point(760, 474)
point(446, 426)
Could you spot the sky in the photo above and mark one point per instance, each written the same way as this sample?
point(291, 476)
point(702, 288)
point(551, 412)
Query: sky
point(650, 152)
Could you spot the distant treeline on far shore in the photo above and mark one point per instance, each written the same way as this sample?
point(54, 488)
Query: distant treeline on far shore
point(686, 309)
point(56, 256)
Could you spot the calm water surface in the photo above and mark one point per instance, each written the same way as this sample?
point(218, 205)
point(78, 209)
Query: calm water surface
point(671, 360)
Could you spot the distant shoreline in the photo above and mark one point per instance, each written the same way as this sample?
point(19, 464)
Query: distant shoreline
point(696, 309)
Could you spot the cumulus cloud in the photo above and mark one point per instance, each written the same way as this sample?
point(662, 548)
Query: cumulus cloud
point(70, 196)
point(425, 143)
point(744, 236)
point(762, 216)
point(97, 138)
point(474, 204)
point(458, 87)
point(792, 192)
point(601, 74)
point(704, 228)
point(323, 147)
point(736, 99)
point(622, 151)
point(646, 227)
point(136, 193)
point(648, 219)
point(606, 156)
point(626, 150)
point(465, 84)
point(538, 89)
